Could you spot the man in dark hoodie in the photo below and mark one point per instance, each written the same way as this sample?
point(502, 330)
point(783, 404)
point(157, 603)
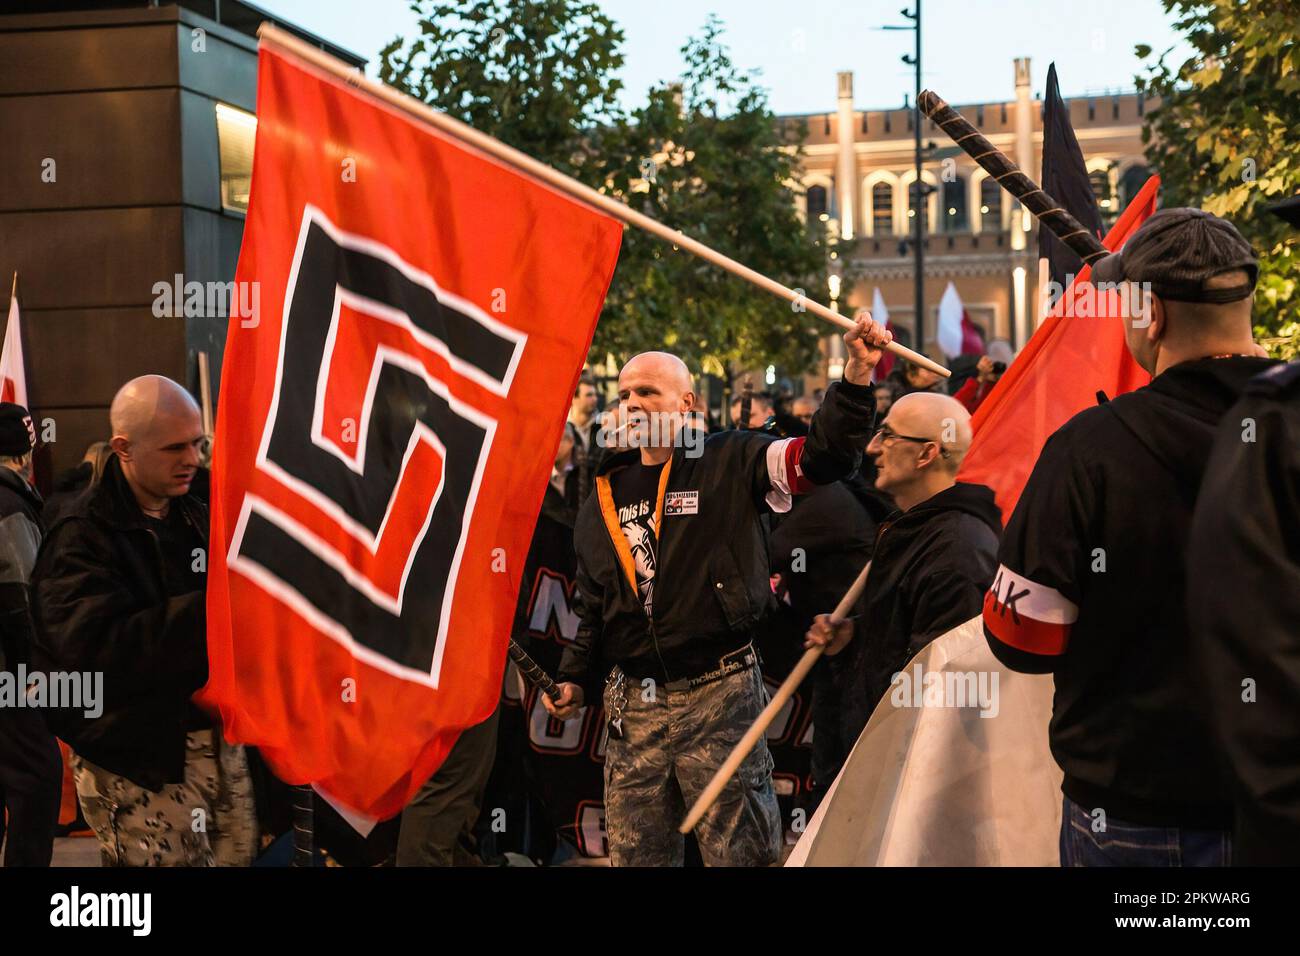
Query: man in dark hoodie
point(933, 557)
point(1092, 583)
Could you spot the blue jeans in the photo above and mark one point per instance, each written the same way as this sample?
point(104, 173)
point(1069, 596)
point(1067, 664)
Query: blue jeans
point(1131, 844)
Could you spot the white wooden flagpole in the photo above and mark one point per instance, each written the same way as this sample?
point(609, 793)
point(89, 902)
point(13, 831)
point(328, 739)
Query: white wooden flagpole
point(273, 36)
point(738, 753)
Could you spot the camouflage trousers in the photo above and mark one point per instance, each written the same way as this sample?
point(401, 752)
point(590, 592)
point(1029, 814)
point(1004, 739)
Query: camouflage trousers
point(673, 741)
point(208, 820)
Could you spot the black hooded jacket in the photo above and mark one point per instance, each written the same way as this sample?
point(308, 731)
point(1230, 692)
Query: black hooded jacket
point(1092, 587)
point(101, 603)
point(930, 567)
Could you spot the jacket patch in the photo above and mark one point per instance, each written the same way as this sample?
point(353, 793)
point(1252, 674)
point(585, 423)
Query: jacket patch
point(682, 503)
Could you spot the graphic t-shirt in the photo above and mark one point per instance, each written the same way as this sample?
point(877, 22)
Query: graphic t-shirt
point(636, 491)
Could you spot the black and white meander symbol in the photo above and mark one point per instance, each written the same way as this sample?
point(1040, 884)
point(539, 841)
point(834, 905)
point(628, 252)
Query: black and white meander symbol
point(403, 405)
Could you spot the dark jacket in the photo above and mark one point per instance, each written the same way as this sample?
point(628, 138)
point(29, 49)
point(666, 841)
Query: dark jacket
point(69, 484)
point(930, 567)
point(822, 544)
point(1243, 599)
point(712, 585)
point(1092, 587)
point(20, 537)
point(101, 605)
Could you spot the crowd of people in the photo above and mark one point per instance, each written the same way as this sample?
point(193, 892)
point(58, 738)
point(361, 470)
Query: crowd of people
point(1149, 565)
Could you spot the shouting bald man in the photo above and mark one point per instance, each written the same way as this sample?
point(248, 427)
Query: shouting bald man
point(934, 557)
point(120, 585)
point(673, 581)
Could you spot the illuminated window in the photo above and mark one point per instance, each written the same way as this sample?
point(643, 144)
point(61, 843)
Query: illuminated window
point(953, 214)
point(882, 209)
point(991, 205)
point(236, 130)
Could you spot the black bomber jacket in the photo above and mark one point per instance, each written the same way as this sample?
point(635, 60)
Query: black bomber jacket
point(712, 584)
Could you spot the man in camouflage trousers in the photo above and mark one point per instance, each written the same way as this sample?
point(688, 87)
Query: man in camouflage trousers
point(672, 584)
point(686, 733)
point(120, 587)
point(138, 827)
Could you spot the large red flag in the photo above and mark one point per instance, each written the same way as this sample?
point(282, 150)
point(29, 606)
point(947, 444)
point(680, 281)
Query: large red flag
point(1077, 351)
point(387, 423)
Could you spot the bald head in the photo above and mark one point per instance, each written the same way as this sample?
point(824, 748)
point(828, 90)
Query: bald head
point(158, 439)
point(920, 446)
point(937, 417)
point(655, 391)
point(662, 367)
point(142, 402)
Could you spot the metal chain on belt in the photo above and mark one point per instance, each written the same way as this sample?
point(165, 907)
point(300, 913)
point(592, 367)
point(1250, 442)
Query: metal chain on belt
point(617, 701)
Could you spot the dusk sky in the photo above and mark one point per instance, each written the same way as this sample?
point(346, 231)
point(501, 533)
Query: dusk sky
point(967, 53)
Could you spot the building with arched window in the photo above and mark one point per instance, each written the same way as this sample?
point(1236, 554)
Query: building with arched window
point(975, 235)
point(990, 206)
point(882, 209)
point(953, 214)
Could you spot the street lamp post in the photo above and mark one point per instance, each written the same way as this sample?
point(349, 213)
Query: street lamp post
point(920, 190)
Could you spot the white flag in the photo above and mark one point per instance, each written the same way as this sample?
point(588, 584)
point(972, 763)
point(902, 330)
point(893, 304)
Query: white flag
point(940, 781)
point(949, 333)
point(879, 314)
point(13, 374)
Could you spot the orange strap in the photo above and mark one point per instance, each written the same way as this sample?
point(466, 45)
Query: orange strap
point(605, 495)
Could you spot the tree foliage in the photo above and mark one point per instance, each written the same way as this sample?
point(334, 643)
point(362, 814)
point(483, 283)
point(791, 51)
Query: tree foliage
point(1224, 136)
point(704, 156)
point(709, 158)
point(539, 75)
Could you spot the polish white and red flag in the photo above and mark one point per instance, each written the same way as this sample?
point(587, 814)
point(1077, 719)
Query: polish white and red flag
point(13, 371)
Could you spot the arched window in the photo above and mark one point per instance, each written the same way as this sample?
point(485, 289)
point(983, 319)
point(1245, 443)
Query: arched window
point(990, 205)
point(912, 193)
point(816, 199)
point(882, 209)
point(952, 212)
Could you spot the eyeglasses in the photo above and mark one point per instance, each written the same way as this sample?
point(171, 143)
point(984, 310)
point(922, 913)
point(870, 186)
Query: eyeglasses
point(887, 434)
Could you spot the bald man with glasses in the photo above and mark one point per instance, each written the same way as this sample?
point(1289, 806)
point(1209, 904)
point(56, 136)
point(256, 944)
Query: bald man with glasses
point(934, 556)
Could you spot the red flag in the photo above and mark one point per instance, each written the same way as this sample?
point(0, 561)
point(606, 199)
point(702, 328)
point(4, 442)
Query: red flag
point(886, 363)
point(972, 343)
point(1077, 351)
point(386, 427)
point(13, 373)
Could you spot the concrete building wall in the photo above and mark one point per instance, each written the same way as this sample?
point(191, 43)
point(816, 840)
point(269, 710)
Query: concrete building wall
point(110, 182)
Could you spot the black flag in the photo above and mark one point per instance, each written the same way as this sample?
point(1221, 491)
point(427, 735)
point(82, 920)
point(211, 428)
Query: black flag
point(1065, 179)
